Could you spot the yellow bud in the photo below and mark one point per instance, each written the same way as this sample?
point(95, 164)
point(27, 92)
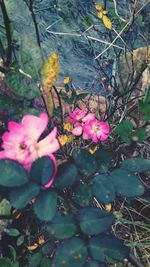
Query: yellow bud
point(63, 139)
point(32, 247)
point(108, 207)
point(93, 149)
point(66, 80)
point(67, 126)
point(98, 7)
point(100, 14)
point(107, 22)
point(105, 12)
point(41, 240)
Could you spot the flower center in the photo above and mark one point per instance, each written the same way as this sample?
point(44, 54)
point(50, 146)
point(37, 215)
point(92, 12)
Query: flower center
point(23, 146)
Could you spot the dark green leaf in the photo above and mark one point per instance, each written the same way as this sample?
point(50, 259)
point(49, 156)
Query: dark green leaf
point(5, 262)
point(140, 134)
point(45, 262)
point(94, 221)
point(62, 227)
point(107, 246)
point(83, 195)
point(20, 240)
point(126, 183)
point(66, 175)
point(22, 85)
point(42, 170)
point(85, 162)
point(21, 196)
point(94, 264)
point(36, 260)
point(103, 188)
point(136, 164)
point(13, 232)
point(71, 253)
point(45, 205)
point(12, 173)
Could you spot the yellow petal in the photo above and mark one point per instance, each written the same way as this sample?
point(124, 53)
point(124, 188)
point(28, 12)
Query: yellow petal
point(32, 247)
point(67, 126)
point(66, 80)
point(105, 12)
point(62, 139)
point(93, 149)
point(100, 14)
point(108, 207)
point(41, 240)
point(98, 7)
point(50, 70)
point(107, 22)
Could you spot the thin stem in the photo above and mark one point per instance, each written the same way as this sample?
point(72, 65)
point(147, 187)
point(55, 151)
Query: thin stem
point(60, 104)
point(8, 33)
point(35, 23)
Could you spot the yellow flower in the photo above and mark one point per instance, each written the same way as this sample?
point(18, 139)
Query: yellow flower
point(67, 126)
point(41, 239)
point(107, 22)
point(32, 247)
point(93, 149)
point(50, 70)
point(98, 7)
point(66, 80)
point(100, 14)
point(105, 12)
point(108, 207)
point(63, 139)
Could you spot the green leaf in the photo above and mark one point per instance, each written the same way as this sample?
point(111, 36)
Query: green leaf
point(13, 232)
point(20, 240)
point(62, 227)
point(103, 246)
point(124, 129)
point(71, 253)
point(126, 183)
point(22, 85)
point(45, 262)
point(83, 195)
point(66, 175)
point(6, 262)
point(35, 260)
point(94, 264)
point(94, 221)
point(136, 164)
point(12, 173)
point(140, 134)
point(42, 170)
point(86, 162)
point(21, 196)
point(103, 188)
point(45, 205)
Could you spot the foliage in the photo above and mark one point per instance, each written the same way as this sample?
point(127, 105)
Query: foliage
point(61, 210)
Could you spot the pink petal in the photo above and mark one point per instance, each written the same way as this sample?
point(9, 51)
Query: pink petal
point(34, 126)
point(49, 144)
point(2, 155)
point(55, 171)
point(89, 117)
point(77, 131)
point(103, 137)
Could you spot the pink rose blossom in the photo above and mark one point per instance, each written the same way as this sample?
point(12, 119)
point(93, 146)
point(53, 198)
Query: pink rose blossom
point(77, 130)
point(77, 115)
point(96, 130)
point(20, 143)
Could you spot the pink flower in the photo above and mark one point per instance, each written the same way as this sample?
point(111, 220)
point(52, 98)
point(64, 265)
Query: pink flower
point(20, 143)
point(77, 130)
point(96, 130)
point(77, 114)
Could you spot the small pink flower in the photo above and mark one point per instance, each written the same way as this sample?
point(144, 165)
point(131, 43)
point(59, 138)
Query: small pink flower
point(77, 130)
point(77, 115)
point(20, 143)
point(89, 117)
point(96, 130)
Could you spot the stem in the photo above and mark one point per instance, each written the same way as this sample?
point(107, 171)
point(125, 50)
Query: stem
point(134, 261)
point(8, 33)
point(60, 104)
point(6, 217)
point(35, 24)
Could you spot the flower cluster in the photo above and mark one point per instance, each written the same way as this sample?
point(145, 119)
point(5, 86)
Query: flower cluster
point(88, 126)
point(21, 143)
